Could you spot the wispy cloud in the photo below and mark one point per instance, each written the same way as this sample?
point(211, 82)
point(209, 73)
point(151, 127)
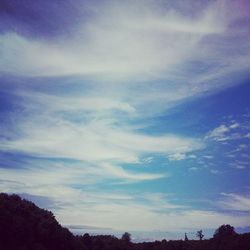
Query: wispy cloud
point(48, 173)
point(235, 202)
point(224, 132)
point(120, 40)
point(92, 141)
point(247, 135)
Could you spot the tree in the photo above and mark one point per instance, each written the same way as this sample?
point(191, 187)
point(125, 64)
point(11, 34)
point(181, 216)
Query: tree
point(87, 240)
point(224, 231)
point(23, 225)
point(199, 234)
point(126, 237)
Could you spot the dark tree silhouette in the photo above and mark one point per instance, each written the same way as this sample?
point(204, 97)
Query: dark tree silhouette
point(126, 237)
point(25, 226)
point(199, 235)
point(87, 240)
point(224, 231)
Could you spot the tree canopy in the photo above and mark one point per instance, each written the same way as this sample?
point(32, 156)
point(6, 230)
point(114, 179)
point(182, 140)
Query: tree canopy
point(224, 231)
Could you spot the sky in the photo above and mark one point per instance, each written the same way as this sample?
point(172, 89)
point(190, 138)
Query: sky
point(128, 115)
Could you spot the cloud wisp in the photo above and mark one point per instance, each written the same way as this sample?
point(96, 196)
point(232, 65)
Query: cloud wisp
point(120, 42)
point(235, 202)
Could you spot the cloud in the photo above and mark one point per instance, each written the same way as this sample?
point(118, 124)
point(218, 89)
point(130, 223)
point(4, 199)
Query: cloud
point(119, 40)
point(193, 169)
point(219, 133)
point(47, 173)
point(120, 173)
point(148, 40)
point(247, 135)
point(224, 132)
point(208, 156)
point(240, 166)
point(85, 103)
point(93, 142)
point(177, 157)
point(145, 55)
point(87, 128)
point(235, 202)
point(142, 218)
point(228, 137)
point(214, 171)
point(148, 48)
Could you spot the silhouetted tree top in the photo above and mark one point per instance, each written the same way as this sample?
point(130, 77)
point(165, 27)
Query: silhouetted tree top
point(199, 235)
point(126, 237)
point(23, 225)
point(224, 231)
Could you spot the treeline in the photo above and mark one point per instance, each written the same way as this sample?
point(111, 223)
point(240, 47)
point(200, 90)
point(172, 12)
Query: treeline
point(24, 226)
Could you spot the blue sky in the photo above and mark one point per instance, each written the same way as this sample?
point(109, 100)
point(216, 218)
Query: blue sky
point(128, 115)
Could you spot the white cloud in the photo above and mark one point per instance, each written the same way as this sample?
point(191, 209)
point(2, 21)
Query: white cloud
point(147, 160)
point(177, 157)
point(93, 140)
point(235, 202)
point(193, 169)
point(192, 156)
point(44, 173)
point(120, 173)
point(219, 133)
point(151, 51)
point(208, 156)
point(234, 125)
point(224, 133)
point(247, 135)
point(118, 40)
point(214, 171)
point(87, 103)
point(145, 42)
point(240, 166)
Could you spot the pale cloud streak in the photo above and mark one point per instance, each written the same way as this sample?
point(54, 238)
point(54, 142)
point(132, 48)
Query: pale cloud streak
point(224, 132)
point(120, 40)
point(123, 42)
point(235, 202)
point(93, 141)
point(38, 175)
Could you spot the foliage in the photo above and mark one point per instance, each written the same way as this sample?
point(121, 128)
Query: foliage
point(224, 231)
point(25, 226)
point(199, 235)
point(126, 237)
